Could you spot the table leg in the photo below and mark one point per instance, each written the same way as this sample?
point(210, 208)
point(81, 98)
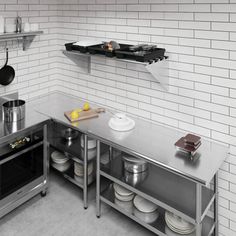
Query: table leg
point(98, 183)
point(198, 209)
point(85, 187)
point(216, 206)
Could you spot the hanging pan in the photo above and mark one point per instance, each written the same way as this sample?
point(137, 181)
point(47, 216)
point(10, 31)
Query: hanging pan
point(7, 73)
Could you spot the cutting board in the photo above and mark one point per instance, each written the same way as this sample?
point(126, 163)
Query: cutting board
point(83, 115)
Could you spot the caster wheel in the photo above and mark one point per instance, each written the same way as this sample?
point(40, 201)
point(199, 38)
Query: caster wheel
point(98, 217)
point(43, 194)
point(85, 208)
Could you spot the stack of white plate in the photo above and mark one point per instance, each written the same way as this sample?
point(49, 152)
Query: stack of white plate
point(79, 172)
point(60, 161)
point(123, 197)
point(177, 224)
point(92, 147)
point(91, 142)
point(79, 168)
point(91, 153)
point(145, 210)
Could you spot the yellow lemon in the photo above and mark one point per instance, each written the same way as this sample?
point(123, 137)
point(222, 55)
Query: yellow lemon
point(86, 106)
point(74, 115)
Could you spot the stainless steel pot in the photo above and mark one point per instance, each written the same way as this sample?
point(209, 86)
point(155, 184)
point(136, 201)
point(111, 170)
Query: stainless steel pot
point(135, 179)
point(134, 165)
point(13, 111)
point(13, 127)
point(70, 134)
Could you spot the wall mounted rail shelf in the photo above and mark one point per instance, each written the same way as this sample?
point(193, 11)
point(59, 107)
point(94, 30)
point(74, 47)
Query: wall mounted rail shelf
point(27, 37)
point(158, 68)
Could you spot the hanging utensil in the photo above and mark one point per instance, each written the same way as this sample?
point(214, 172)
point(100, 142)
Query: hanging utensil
point(7, 73)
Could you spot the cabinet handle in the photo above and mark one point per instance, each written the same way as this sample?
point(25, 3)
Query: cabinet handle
point(19, 143)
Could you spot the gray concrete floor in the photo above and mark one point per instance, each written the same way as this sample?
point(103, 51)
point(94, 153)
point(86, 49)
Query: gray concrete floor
point(61, 213)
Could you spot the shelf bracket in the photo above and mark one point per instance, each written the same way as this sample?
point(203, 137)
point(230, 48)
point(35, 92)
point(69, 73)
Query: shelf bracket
point(159, 69)
point(85, 60)
point(27, 40)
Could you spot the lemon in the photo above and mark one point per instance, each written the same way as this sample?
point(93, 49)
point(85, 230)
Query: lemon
point(74, 115)
point(86, 106)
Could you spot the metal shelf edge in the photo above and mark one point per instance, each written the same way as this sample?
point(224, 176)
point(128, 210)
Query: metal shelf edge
point(19, 35)
point(97, 55)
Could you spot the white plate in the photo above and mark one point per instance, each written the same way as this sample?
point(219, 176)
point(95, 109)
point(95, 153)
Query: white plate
point(80, 179)
point(146, 217)
point(170, 232)
point(121, 190)
point(91, 153)
point(126, 205)
point(86, 43)
point(123, 123)
point(178, 223)
point(61, 167)
point(91, 142)
point(124, 198)
point(59, 157)
point(79, 169)
point(144, 205)
point(178, 231)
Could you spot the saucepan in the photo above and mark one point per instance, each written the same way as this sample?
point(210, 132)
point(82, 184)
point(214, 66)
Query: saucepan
point(7, 73)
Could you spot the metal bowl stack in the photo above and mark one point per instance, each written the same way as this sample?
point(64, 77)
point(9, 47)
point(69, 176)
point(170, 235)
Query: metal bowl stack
point(135, 169)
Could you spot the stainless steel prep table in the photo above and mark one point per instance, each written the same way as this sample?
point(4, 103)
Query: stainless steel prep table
point(152, 142)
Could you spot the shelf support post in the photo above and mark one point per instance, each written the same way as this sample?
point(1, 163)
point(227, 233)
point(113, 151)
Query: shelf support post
point(198, 209)
point(85, 187)
point(216, 206)
point(46, 155)
point(98, 183)
point(110, 153)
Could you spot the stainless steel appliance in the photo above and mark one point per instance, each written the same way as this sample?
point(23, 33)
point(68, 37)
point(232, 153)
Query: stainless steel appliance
point(23, 167)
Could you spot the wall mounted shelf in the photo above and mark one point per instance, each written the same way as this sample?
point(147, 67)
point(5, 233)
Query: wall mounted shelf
point(158, 69)
point(26, 36)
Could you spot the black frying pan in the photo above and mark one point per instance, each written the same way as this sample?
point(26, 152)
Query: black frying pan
point(7, 73)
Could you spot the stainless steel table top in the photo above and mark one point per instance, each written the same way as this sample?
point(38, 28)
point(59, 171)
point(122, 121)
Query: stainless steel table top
point(153, 142)
point(32, 118)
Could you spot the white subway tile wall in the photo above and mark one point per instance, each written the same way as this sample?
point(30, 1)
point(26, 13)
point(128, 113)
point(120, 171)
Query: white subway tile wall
point(36, 67)
point(200, 39)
